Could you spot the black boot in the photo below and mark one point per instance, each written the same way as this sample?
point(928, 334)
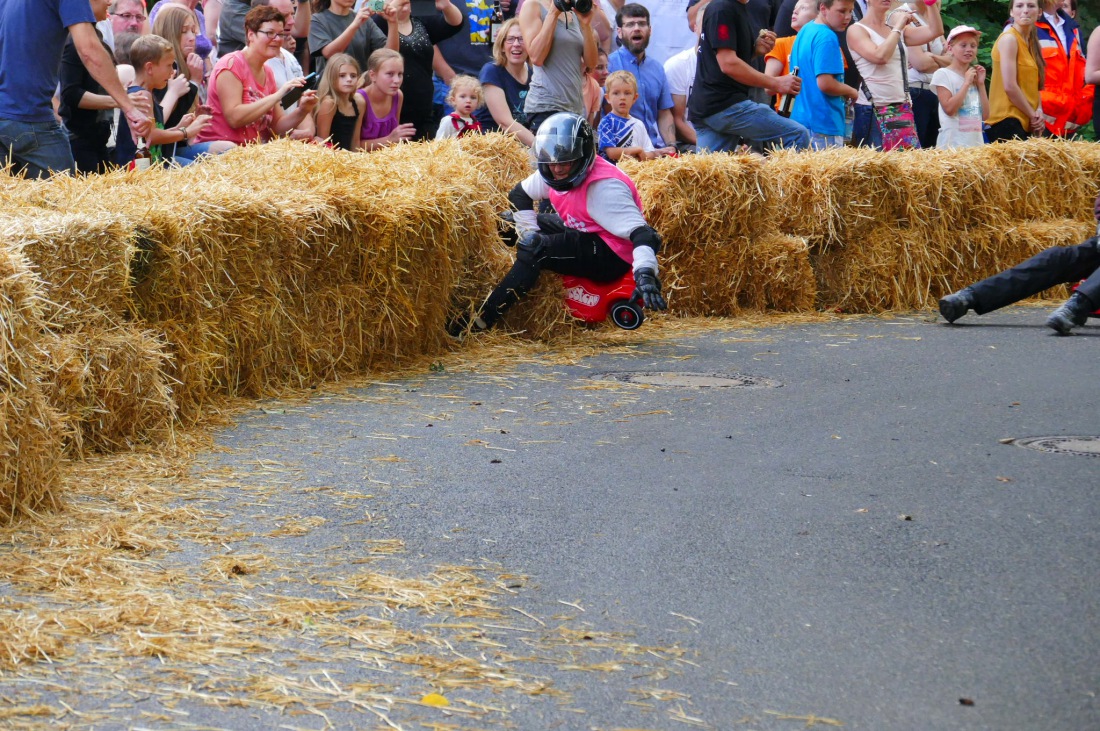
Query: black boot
point(954, 306)
point(461, 325)
point(1074, 313)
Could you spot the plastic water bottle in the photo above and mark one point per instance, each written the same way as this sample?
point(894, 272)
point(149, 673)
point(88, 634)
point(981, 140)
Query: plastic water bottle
point(970, 113)
point(849, 119)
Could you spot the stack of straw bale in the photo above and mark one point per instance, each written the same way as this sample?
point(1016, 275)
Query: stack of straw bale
point(31, 431)
point(290, 265)
point(897, 231)
point(111, 386)
point(103, 372)
point(723, 250)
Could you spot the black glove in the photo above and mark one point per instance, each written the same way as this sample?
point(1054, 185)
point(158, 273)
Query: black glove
point(647, 288)
point(506, 225)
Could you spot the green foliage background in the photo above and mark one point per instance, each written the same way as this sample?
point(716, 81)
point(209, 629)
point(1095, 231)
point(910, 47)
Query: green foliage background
point(990, 16)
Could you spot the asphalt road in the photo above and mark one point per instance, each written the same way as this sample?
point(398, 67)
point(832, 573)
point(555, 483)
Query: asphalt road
point(855, 545)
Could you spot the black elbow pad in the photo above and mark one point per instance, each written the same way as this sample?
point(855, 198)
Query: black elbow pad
point(646, 236)
point(520, 200)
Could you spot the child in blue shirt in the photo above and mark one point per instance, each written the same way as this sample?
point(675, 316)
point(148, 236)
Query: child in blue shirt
point(819, 106)
point(619, 133)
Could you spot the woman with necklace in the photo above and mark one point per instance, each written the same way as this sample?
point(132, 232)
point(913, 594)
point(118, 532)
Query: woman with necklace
point(416, 43)
point(1015, 109)
point(244, 101)
point(561, 45)
point(874, 42)
point(506, 80)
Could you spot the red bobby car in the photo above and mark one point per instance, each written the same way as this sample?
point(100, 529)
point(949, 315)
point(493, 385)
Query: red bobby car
point(594, 301)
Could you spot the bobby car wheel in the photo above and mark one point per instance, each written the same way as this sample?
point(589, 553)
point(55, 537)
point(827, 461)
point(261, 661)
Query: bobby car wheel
point(627, 315)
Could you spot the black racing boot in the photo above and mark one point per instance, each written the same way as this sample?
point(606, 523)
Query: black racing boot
point(954, 306)
point(1073, 313)
point(461, 325)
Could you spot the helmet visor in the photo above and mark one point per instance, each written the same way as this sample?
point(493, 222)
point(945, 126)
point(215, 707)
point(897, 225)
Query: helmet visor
point(557, 145)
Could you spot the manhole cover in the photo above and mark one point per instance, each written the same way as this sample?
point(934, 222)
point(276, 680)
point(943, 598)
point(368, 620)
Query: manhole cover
point(681, 379)
point(1084, 446)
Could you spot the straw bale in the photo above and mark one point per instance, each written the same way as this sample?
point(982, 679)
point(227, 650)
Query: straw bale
point(501, 158)
point(1045, 178)
point(30, 430)
point(83, 262)
point(861, 277)
point(705, 279)
point(485, 266)
point(196, 363)
point(697, 199)
point(31, 434)
point(835, 196)
point(1025, 239)
point(111, 386)
point(948, 190)
point(231, 242)
point(1088, 155)
point(779, 275)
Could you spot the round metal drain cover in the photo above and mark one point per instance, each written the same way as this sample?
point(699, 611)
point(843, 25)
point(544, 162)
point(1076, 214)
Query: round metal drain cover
point(680, 379)
point(1083, 446)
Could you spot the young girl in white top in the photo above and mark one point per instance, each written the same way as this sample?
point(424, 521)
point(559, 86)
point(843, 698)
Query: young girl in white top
point(964, 104)
point(465, 96)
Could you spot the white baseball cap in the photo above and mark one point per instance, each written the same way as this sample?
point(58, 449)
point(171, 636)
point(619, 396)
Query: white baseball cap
point(959, 30)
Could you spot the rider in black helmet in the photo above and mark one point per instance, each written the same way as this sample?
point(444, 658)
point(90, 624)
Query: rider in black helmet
point(598, 233)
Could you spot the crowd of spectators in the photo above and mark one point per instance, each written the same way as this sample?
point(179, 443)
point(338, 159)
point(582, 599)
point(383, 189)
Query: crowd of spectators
point(654, 77)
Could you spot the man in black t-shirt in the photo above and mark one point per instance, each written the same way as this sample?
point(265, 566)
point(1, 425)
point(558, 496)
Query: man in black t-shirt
point(721, 104)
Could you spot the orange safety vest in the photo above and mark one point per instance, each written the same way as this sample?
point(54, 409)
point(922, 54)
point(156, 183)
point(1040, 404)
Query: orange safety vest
point(1067, 102)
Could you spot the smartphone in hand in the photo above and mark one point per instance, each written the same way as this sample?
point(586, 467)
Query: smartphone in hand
point(292, 96)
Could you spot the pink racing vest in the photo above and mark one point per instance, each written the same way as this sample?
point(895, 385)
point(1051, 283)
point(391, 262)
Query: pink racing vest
point(572, 206)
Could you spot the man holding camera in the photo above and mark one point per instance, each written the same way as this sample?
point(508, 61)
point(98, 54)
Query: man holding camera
point(561, 44)
point(721, 104)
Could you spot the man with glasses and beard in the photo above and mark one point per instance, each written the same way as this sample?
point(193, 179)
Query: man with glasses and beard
point(654, 104)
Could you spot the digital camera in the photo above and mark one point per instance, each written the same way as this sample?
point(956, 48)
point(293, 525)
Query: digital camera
point(581, 6)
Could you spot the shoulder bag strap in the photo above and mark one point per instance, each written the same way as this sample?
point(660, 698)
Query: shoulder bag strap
point(862, 82)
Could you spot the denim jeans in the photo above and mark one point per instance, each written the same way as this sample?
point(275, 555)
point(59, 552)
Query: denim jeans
point(189, 153)
point(865, 129)
point(758, 124)
point(36, 148)
point(823, 142)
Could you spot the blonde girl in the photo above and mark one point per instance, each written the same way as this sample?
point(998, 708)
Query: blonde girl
point(180, 27)
point(186, 90)
point(1015, 109)
point(339, 112)
point(381, 89)
point(466, 97)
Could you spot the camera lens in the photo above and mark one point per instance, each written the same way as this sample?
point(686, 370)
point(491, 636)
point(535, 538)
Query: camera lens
point(582, 6)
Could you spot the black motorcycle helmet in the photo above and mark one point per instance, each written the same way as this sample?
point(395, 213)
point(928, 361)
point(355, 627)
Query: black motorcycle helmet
point(565, 137)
